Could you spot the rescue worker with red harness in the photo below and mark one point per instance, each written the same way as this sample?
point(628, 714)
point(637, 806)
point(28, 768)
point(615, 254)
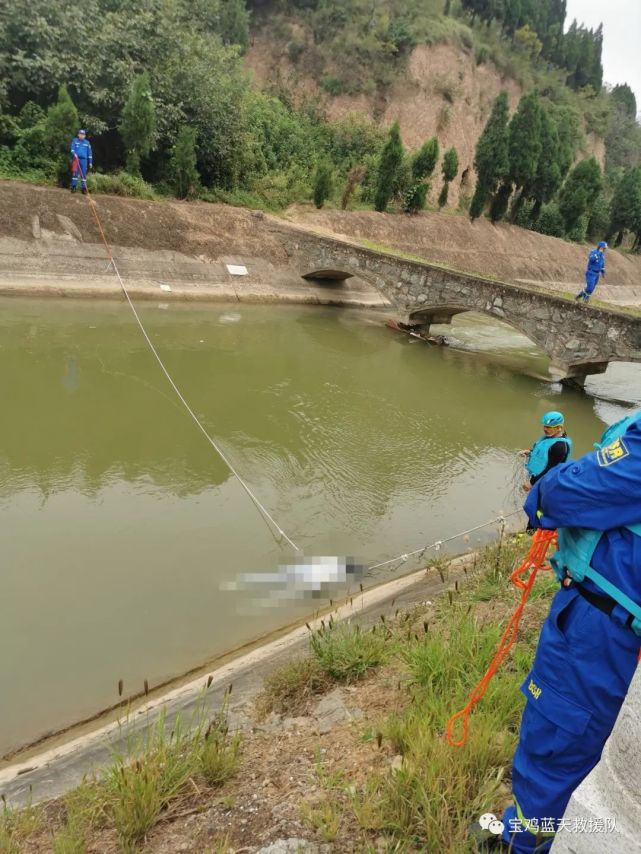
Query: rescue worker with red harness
point(589, 644)
point(81, 160)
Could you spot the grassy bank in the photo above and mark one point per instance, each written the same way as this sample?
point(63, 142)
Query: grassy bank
point(377, 774)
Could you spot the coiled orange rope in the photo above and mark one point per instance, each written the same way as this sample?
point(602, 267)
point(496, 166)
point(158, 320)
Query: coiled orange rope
point(523, 577)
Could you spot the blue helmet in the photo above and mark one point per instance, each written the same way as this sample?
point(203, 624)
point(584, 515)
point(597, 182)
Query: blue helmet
point(602, 244)
point(553, 419)
point(85, 133)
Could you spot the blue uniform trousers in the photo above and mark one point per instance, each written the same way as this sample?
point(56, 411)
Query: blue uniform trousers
point(583, 666)
point(80, 172)
point(591, 281)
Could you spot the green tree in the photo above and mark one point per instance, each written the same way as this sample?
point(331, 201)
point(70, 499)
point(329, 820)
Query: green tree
point(548, 177)
point(425, 159)
point(323, 183)
point(599, 218)
point(449, 170)
point(623, 96)
point(183, 163)
point(388, 168)
point(626, 206)
point(138, 123)
point(579, 194)
point(234, 23)
point(525, 146)
point(60, 126)
point(491, 159)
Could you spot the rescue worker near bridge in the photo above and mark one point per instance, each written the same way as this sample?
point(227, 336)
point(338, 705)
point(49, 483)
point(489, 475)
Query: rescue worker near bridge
point(595, 269)
point(552, 449)
point(589, 644)
point(81, 160)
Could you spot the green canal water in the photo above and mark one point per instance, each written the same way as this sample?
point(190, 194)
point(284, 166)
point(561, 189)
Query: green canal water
point(119, 525)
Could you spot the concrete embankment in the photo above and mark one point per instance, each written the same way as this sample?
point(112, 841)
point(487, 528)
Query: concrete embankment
point(50, 245)
point(52, 768)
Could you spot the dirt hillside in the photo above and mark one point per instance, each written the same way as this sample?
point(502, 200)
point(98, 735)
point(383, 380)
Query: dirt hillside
point(444, 93)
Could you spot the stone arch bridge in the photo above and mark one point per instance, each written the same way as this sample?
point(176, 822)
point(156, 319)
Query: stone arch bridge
point(579, 340)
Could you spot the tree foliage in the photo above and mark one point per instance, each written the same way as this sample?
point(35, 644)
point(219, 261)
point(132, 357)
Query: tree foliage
point(524, 145)
point(323, 183)
point(61, 124)
point(579, 193)
point(626, 206)
point(537, 26)
point(234, 23)
point(388, 168)
point(138, 123)
point(183, 162)
point(415, 198)
point(425, 159)
point(449, 169)
point(491, 159)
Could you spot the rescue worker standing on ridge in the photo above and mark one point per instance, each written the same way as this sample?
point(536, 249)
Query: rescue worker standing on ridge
point(589, 644)
point(81, 160)
point(595, 268)
point(552, 449)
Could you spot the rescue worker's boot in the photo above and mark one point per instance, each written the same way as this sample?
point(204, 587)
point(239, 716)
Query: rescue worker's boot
point(84, 191)
point(73, 189)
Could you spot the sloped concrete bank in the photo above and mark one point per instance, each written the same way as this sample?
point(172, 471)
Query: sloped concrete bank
point(49, 244)
point(53, 768)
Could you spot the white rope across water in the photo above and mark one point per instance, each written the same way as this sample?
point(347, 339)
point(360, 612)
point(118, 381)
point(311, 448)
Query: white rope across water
point(255, 500)
point(402, 558)
point(257, 503)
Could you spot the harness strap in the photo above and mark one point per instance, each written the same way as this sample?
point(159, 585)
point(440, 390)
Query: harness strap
point(619, 596)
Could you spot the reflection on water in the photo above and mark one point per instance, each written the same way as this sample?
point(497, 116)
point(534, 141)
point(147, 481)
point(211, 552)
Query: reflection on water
point(119, 525)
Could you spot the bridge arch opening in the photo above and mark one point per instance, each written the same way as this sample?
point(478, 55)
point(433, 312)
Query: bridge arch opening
point(328, 274)
point(487, 336)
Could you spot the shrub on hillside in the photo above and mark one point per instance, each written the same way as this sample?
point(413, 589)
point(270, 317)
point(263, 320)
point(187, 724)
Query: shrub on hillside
point(414, 200)
point(550, 221)
point(121, 184)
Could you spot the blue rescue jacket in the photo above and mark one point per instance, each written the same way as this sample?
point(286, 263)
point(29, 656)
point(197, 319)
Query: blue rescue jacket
point(596, 262)
point(81, 148)
point(538, 459)
point(595, 503)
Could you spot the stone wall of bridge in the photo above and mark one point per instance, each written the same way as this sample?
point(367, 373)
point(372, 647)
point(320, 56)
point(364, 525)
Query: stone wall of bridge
point(578, 339)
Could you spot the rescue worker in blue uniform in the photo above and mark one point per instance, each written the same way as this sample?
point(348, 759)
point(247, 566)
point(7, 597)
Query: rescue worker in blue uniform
point(589, 644)
point(552, 449)
point(595, 269)
point(81, 160)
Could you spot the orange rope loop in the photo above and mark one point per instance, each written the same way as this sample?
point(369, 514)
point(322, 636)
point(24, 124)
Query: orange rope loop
point(523, 577)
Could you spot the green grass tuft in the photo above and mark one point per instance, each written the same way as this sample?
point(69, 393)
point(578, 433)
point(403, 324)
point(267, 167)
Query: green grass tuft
point(346, 653)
